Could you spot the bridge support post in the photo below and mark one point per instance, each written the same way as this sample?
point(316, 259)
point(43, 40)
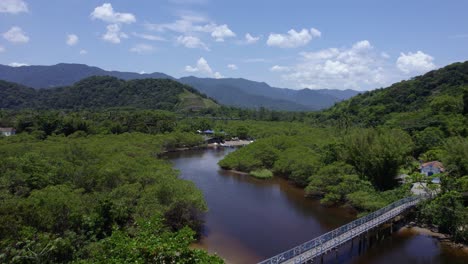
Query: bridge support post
point(360, 244)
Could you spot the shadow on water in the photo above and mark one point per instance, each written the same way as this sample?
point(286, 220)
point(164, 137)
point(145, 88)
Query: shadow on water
point(251, 219)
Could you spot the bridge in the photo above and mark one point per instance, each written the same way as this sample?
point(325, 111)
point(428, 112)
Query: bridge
point(325, 243)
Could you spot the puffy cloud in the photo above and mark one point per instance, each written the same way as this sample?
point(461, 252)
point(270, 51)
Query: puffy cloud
point(83, 52)
point(293, 39)
point(72, 39)
point(278, 68)
point(358, 67)
point(16, 35)
point(249, 39)
point(17, 64)
point(219, 33)
point(107, 14)
point(232, 67)
point(13, 6)
point(418, 62)
point(142, 48)
point(149, 37)
point(204, 68)
point(191, 42)
point(218, 75)
point(188, 24)
point(113, 34)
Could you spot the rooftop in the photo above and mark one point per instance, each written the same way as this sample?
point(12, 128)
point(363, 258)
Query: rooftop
point(7, 129)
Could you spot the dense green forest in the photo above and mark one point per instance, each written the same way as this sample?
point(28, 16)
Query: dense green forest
point(82, 181)
point(102, 92)
point(359, 146)
point(97, 199)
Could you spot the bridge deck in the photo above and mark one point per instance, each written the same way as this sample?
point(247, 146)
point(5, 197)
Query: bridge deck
point(333, 239)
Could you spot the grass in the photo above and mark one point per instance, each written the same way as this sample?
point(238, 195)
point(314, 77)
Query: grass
point(262, 174)
point(190, 101)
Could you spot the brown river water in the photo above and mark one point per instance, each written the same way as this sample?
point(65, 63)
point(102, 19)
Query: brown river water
point(250, 220)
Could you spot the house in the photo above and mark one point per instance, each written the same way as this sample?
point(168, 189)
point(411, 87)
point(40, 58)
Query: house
point(7, 131)
point(431, 168)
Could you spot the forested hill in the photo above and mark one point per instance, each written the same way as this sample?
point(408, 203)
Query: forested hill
point(106, 92)
point(236, 92)
point(438, 99)
point(64, 74)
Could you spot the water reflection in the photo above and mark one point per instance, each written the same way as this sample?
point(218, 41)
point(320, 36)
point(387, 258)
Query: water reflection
point(251, 219)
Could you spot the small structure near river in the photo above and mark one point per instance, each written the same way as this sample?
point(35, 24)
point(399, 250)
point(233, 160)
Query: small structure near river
point(7, 131)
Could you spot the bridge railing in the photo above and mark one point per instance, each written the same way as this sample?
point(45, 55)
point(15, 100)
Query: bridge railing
point(317, 242)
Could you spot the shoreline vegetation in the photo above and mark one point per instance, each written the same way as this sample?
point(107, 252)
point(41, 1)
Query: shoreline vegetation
point(80, 180)
point(444, 239)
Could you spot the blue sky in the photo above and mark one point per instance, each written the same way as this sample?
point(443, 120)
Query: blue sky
point(362, 45)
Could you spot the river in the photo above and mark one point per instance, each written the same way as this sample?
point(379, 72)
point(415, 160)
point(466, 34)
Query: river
point(250, 219)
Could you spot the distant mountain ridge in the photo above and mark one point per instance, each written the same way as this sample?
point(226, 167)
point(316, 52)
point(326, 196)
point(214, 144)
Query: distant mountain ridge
point(64, 74)
point(228, 91)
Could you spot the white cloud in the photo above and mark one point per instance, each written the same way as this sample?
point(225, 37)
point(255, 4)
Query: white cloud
point(142, 48)
point(113, 34)
point(232, 67)
point(193, 23)
point(418, 62)
point(72, 39)
point(385, 55)
point(2, 49)
point(107, 14)
point(218, 75)
point(203, 68)
point(358, 67)
point(249, 39)
point(185, 24)
point(293, 39)
point(219, 33)
point(149, 37)
point(17, 64)
point(83, 52)
point(16, 35)
point(191, 42)
point(13, 6)
point(278, 68)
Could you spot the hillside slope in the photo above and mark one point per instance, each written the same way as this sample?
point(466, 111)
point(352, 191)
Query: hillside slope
point(436, 99)
point(106, 92)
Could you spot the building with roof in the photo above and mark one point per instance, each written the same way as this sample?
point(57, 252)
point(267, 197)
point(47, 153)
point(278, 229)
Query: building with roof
point(431, 168)
point(7, 131)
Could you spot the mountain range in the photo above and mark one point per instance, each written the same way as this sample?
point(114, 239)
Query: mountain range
point(228, 91)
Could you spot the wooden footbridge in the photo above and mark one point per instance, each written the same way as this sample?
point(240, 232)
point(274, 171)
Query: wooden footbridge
point(332, 240)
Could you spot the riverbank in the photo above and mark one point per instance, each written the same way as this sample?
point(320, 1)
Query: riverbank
point(228, 143)
point(444, 239)
point(250, 219)
point(231, 143)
